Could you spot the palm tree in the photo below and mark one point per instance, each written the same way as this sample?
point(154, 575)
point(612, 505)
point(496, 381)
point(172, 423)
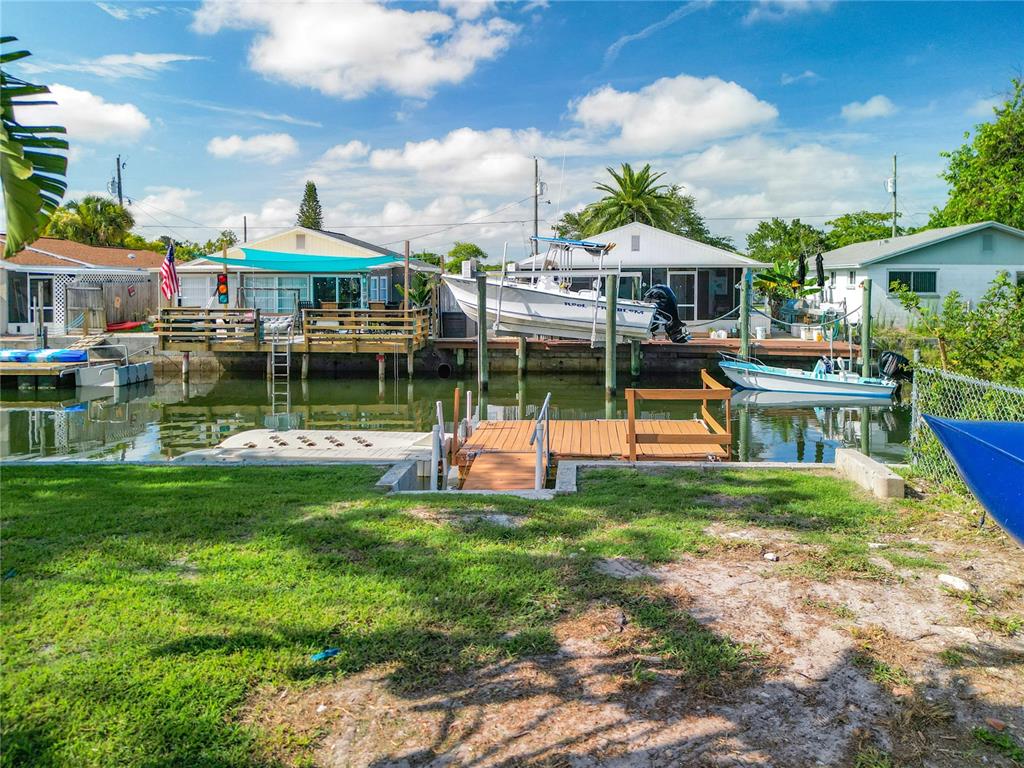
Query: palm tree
point(32, 163)
point(94, 220)
point(633, 196)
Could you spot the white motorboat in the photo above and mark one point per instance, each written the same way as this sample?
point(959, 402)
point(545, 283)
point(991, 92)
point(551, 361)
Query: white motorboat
point(777, 399)
point(827, 378)
point(540, 302)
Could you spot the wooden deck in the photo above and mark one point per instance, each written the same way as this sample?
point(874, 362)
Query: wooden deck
point(501, 472)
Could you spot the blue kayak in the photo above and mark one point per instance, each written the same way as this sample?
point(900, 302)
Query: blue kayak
point(989, 455)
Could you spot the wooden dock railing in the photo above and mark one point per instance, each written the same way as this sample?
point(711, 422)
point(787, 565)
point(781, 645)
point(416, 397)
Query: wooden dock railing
point(710, 390)
point(365, 330)
point(202, 328)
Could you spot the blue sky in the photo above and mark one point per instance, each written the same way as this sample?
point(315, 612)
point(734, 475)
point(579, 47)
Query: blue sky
point(413, 116)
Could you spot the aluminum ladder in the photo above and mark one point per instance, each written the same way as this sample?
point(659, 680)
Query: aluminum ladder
point(280, 366)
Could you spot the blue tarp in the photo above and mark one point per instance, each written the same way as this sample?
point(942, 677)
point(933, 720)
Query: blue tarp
point(301, 262)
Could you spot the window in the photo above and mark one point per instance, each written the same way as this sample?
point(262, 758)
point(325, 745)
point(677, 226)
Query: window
point(300, 242)
point(379, 288)
point(851, 278)
point(635, 243)
point(917, 281)
point(987, 243)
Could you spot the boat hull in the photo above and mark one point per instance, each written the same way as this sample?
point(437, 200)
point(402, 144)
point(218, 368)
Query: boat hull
point(989, 455)
point(793, 381)
point(533, 311)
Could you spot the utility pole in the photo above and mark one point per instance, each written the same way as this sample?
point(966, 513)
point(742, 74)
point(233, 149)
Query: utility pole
point(894, 195)
point(120, 194)
point(536, 203)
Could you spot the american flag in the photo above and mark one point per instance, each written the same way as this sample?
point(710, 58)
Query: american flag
point(169, 285)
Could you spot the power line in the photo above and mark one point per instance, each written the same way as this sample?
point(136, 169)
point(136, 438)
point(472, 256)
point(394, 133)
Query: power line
point(348, 226)
point(477, 220)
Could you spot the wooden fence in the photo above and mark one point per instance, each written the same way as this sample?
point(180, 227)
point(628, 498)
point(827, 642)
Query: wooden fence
point(365, 330)
point(710, 390)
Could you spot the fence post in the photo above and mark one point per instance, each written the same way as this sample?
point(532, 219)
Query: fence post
point(631, 422)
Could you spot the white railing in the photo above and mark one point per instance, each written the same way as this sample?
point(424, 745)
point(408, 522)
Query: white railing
point(441, 429)
point(542, 438)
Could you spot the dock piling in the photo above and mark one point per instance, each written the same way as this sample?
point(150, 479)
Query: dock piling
point(634, 358)
point(481, 335)
point(611, 294)
point(521, 358)
point(185, 364)
point(409, 360)
point(305, 366)
point(865, 333)
point(745, 314)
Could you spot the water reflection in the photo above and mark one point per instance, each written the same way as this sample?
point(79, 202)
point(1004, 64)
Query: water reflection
point(164, 420)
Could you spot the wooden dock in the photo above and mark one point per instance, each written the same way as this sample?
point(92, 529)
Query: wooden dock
point(498, 455)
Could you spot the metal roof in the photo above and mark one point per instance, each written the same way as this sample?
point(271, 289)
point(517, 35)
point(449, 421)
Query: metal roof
point(861, 254)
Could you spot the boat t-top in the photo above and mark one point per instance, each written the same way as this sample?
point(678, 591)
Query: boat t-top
point(540, 300)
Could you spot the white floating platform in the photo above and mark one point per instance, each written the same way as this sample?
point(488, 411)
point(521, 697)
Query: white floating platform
point(312, 446)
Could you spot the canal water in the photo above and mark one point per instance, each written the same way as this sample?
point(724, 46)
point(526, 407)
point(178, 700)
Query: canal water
point(158, 421)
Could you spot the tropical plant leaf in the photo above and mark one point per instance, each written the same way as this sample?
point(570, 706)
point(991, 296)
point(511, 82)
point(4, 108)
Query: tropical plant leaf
point(33, 180)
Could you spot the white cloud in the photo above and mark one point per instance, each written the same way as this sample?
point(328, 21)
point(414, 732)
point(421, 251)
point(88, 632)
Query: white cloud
point(115, 65)
point(983, 108)
point(267, 147)
point(87, 117)
point(673, 113)
point(876, 106)
point(166, 200)
point(346, 153)
point(259, 114)
point(615, 48)
point(778, 10)
point(807, 74)
point(126, 12)
point(467, 9)
point(354, 49)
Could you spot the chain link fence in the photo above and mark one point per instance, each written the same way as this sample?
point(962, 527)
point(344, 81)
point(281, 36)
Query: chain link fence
point(939, 393)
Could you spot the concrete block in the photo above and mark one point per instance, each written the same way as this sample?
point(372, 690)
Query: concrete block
point(401, 477)
point(869, 474)
point(565, 477)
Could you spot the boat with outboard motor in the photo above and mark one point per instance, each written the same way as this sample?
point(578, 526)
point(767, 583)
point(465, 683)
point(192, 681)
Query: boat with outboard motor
point(830, 376)
point(542, 302)
point(989, 455)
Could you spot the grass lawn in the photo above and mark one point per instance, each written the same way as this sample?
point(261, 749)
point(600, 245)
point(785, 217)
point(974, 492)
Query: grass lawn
point(143, 606)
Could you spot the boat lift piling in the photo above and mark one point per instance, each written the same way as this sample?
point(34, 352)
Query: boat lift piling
point(521, 358)
point(481, 335)
point(865, 324)
point(745, 287)
point(634, 358)
point(611, 293)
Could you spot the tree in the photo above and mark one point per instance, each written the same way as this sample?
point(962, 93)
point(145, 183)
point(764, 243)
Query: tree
point(460, 252)
point(139, 243)
point(632, 196)
point(986, 340)
point(420, 291)
point(571, 225)
point(94, 220)
point(188, 250)
point(311, 215)
point(31, 167)
point(780, 283)
point(689, 223)
point(859, 227)
point(428, 257)
point(778, 240)
point(986, 175)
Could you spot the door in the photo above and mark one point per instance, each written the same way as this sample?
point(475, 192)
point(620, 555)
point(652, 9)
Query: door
point(684, 285)
point(37, 286)
point(349, 293)
point(325, 289)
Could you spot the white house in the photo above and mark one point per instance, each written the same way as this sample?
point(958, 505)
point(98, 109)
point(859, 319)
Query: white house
point(704, 278)
point(932, 263)
point(300, 265)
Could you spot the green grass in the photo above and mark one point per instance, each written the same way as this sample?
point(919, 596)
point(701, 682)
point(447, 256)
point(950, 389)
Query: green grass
point(1003, 743)
point(143, 605)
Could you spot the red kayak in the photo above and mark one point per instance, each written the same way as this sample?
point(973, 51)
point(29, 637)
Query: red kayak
point(126, 326)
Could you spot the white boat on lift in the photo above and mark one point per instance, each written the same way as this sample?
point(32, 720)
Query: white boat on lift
point(540, 301)
point(829, 377)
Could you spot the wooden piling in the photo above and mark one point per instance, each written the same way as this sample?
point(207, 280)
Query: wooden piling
point(745, 314)
point(611, 293)
point(185, 365)
point(521, 358)
point(382, 369)
point(865, 325)
point(634, 358)
point(410, 356)
point(482, 373)
point(305, 366)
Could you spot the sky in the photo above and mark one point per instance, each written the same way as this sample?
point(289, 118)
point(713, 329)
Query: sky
point(414, 117)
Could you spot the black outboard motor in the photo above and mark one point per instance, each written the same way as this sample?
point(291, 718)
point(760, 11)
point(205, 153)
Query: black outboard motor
point(894, 366)
point(666, 314)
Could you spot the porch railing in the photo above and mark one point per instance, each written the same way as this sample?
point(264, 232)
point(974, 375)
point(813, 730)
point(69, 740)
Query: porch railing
point(398, 326)
point(207, 326)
